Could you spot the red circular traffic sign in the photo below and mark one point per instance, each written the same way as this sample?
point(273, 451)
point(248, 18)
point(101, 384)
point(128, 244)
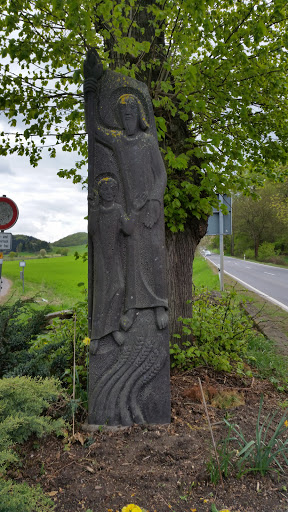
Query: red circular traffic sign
point(8, 213)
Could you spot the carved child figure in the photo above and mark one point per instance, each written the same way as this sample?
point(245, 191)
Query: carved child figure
point(108, 223)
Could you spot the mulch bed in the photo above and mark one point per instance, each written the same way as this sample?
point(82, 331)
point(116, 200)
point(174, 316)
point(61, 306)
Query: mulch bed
point(160, 467)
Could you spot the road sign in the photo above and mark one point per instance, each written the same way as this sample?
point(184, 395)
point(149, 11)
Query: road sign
point(22, 264)
point(5, 241)
point(8, 213)
point(214, 220)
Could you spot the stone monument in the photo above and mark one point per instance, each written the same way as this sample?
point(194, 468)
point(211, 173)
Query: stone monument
point(128, 307)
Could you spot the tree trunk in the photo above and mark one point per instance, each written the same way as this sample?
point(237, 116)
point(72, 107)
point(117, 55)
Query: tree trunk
point(181, 249)
point(256, 247)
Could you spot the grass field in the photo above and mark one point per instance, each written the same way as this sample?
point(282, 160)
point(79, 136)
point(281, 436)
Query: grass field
point(53, 279)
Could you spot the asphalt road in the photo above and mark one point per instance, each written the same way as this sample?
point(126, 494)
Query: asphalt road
point(270, 282)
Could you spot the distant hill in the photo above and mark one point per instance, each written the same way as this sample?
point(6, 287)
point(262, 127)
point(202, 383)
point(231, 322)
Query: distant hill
point(25, 243)
point(71, 240)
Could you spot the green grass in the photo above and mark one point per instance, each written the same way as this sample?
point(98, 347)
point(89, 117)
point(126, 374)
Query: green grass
point(204, 275)
point(262, 355)
point(54, 279)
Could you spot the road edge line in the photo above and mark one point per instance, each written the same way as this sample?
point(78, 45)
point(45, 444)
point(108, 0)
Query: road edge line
point(262, 294)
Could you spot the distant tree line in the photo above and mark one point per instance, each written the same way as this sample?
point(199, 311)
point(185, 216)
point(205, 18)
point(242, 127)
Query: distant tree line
point(25, 243)
point(260, 224)
point(80, 238)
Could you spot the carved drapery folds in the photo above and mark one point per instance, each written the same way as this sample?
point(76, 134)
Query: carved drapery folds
point(128, 308)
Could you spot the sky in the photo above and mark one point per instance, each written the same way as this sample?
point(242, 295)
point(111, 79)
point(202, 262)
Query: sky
point(50, 207)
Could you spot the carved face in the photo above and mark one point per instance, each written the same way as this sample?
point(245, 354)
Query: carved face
point(129, 113)
point(107, 189)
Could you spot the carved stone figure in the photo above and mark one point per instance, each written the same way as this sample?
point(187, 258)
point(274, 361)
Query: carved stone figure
point(129, 350)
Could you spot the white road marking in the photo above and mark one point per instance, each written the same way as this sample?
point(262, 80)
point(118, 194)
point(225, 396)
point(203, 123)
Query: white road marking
point(282, 306)
point(269, 273)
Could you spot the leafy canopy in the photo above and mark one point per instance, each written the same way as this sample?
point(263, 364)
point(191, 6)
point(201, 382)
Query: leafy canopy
point(217, 74)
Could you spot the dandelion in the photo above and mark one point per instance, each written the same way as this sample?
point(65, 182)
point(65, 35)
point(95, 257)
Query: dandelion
point(86, 341)
point(286, 423)
point(131, 508)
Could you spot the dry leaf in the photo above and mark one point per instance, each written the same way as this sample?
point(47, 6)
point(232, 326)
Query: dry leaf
point(91, 470)
point(78, 437)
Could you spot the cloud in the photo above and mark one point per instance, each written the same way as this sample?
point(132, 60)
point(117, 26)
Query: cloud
point(5, 167)
point(49, 207)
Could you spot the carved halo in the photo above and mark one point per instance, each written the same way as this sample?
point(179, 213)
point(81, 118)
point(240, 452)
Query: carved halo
point(102, 177)
point(114, 101)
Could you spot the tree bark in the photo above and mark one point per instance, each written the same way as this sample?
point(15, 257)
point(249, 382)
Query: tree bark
point(181, 249)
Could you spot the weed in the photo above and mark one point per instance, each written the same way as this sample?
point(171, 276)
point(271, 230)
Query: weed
point(218, 334)
point(267, 450)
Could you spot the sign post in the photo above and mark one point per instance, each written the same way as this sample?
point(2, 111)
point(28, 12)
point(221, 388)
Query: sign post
point(22, 265)
point(220, 224)
point(8, 217)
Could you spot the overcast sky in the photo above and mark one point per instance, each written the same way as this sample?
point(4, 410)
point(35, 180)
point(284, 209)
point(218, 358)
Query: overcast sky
point(49, 207)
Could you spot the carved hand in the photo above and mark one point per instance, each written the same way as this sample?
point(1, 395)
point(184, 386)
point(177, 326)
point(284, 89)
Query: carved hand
point(152, 213)
point(90, 85)
point(140, 201)
point(93, 67)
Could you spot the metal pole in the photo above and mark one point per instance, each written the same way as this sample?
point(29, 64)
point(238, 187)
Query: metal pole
point(221, 244)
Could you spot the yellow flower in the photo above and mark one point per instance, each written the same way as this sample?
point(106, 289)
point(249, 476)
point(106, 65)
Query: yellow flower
point(225, 510)
point(86, 341)
point(131, 508)
point(286, 423)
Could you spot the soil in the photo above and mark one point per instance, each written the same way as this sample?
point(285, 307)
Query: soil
point(162, 467)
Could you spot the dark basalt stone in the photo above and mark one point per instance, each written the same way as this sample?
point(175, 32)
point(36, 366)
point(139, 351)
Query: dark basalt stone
point(128, 307)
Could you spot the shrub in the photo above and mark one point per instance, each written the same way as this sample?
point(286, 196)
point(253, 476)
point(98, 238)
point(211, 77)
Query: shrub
point(19, 323)
point(51, 353)
point(43, 253)
point(23, 401)
point(21, 497)
point(266, 251)
point(64, 251)
point(218, 334)
point(249, 254)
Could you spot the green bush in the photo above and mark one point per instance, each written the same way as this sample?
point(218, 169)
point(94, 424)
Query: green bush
point(51, 353)
point(19, 323)
point(23, 498)
point(249, 254)
point(266, 251)
point(23, 401)
point(217, 335)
